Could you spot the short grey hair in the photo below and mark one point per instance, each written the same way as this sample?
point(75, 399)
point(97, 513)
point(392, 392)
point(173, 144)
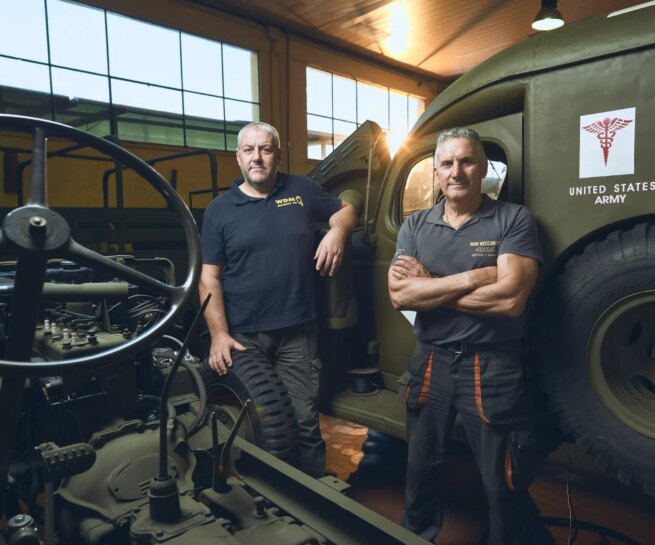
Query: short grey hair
point(261, 126)
point(461, 132)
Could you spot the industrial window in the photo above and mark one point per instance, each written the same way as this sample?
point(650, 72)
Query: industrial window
point(110, 74)
point(336, 106)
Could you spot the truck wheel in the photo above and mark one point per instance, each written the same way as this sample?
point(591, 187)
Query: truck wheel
point(597, 344)
point(270, 423)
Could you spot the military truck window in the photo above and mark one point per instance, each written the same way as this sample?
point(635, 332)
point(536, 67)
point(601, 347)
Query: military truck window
point(121, 76)
point(422, 189)
point(494, 181)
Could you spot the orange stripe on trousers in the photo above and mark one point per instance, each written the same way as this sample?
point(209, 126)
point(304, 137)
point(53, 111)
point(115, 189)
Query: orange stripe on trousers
point(425, 387)
point(478, 389)
point(508, 465)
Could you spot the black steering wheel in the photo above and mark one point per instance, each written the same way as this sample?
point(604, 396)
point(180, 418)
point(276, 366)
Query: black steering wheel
point(35, 233)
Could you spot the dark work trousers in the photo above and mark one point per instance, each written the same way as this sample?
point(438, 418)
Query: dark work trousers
point(293, 351)
point(487, 388)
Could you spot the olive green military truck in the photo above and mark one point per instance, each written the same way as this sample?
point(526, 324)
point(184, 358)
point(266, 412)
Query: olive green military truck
point(567, 119)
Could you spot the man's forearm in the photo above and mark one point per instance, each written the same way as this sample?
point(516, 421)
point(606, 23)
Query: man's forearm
point(215, 311)
point(220, 359)
point(493, 300)
point(423, 294)
point(344, 219)
point(506, 297)
point(331, 248)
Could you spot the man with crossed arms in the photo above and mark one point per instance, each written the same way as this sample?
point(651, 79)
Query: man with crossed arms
point(467, 266)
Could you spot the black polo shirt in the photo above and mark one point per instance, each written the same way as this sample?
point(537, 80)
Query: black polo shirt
point(496, 228)
point(266, 247)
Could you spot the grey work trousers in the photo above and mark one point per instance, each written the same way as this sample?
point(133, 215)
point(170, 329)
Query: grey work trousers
point(293, 351)
point(488, 390)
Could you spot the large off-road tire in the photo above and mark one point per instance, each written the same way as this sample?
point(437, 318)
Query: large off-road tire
point(596, 346)
point(270, 423)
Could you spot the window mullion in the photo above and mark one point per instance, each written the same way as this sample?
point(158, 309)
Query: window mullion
point(47, 44)
point(223, 99)
point(113, 122)
point(179, 40)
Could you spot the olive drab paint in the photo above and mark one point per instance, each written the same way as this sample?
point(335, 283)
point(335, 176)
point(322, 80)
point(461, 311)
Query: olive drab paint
point(571, 114)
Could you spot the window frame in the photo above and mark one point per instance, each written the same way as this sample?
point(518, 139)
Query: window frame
point(335, 138)
point(160, 124)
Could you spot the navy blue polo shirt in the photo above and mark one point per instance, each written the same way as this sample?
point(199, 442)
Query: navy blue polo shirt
point(496, 228)
point(266, 247)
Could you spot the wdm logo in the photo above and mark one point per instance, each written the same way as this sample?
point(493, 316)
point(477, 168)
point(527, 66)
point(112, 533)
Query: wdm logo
point(289, 201)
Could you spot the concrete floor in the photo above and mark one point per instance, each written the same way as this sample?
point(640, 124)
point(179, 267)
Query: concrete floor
point(374, 465)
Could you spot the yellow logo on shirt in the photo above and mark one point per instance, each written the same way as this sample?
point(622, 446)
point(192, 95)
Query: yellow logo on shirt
point(483, 248)
point(289, 201)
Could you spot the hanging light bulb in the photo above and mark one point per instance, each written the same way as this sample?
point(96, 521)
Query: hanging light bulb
point(548, 17)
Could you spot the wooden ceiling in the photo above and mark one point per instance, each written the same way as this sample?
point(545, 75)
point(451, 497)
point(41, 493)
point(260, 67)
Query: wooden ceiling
point(442, 37)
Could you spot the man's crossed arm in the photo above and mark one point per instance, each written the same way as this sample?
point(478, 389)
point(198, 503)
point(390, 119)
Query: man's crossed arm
point(489, 291)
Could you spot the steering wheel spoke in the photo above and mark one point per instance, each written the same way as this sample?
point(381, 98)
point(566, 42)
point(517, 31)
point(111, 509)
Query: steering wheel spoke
point(83, 256)
point(27, 291)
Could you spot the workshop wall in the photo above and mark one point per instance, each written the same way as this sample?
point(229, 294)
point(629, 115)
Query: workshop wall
point(282, 67)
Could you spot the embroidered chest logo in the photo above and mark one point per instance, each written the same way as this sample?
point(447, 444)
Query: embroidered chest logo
point(289, 201)
point(484, 248)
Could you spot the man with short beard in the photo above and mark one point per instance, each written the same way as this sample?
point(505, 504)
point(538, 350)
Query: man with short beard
point(258, 245)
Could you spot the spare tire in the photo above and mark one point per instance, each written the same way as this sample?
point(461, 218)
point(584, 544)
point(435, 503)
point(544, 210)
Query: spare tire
point(596, 345)
point(270, 423)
